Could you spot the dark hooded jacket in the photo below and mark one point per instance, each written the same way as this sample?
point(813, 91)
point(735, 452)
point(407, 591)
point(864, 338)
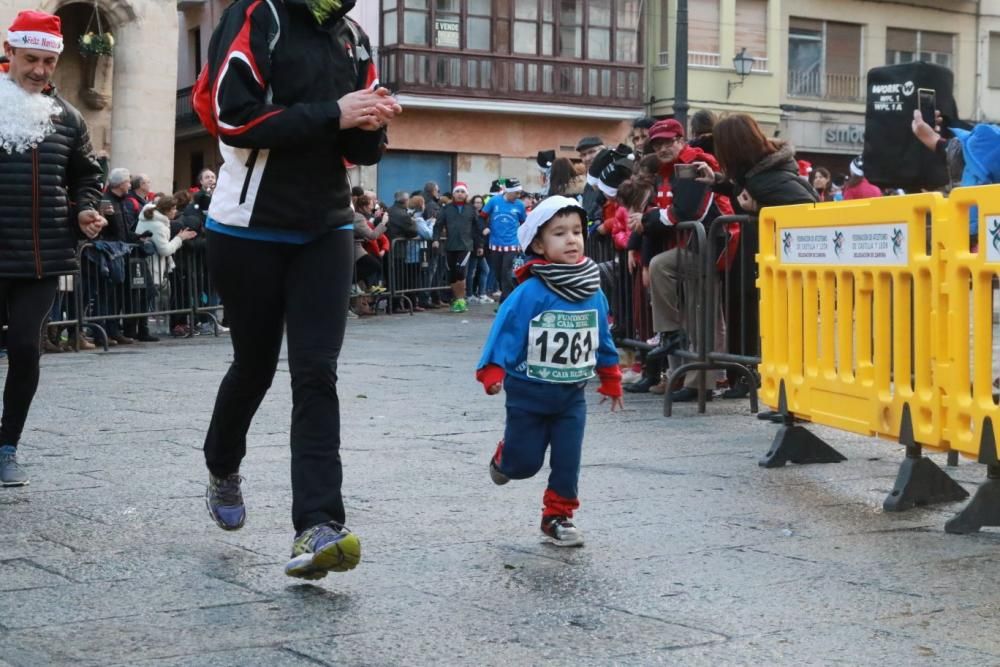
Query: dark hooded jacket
point(41, 192)
point(775, 181)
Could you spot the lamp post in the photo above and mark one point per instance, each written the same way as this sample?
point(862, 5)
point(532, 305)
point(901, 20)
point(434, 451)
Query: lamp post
point(743, 64)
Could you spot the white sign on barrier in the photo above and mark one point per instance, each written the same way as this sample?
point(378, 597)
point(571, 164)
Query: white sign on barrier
point(992, 238)
point(854, 245)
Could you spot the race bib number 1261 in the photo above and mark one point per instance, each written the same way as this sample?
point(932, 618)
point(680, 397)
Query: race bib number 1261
point(562, 345)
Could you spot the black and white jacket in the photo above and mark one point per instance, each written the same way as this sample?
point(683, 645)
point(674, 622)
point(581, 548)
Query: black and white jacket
point(276, 75)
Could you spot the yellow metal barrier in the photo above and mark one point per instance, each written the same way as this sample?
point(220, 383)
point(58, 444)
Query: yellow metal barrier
point(967, 367)
point(877, 317)
point(851, 312)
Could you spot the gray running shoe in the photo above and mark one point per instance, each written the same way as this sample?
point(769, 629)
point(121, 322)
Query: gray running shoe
point(11, 473)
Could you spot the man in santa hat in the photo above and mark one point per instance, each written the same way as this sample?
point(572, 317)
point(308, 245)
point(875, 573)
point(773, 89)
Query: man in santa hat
point(41, 219)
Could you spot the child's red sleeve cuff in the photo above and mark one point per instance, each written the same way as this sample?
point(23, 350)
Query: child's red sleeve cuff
point(491, 374)
point(611, 381)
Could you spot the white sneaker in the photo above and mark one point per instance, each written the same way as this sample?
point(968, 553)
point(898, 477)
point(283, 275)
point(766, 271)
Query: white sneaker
point(630, 377)
point(473, 299)
point(486, 299)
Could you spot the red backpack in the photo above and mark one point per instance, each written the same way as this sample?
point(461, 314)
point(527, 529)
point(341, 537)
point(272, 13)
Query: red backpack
point(202, 95)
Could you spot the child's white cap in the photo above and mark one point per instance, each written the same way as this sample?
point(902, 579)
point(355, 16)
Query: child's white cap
point(542, 213)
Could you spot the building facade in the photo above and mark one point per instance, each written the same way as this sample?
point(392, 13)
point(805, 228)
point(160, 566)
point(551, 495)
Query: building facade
point(810, 62)
point(127, 98)
point(485, 84)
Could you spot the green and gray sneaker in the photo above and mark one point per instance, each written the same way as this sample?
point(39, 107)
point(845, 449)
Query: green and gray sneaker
point(11, 474)
point(321, 549)
point(459, 306)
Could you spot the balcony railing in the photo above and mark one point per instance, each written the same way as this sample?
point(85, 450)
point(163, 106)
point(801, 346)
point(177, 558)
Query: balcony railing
point(518, 78)
point(840, 87)
point(702, 59)
point(185, 117)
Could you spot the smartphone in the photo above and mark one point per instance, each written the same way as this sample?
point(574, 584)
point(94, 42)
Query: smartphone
point(927, 103)
point(685, 170)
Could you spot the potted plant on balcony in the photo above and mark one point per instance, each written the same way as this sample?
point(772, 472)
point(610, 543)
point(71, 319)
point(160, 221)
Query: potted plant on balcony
point(94, 44)
point(97, 47)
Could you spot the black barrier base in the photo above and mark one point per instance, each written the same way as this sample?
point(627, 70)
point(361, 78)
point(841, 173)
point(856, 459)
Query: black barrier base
point(982, 510)
point(920, 481)
point(796, 444)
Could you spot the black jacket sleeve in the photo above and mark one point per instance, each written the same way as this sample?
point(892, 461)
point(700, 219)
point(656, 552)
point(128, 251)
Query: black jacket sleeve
point(83, 173)
point(357, 145)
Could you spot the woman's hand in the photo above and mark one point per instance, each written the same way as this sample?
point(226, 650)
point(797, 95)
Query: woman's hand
point(635, 222)
point(368, 109)
point(924, 132)
point(746, 202)
point(187, 234)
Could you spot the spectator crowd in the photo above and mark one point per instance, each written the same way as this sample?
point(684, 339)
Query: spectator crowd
point(431, 249)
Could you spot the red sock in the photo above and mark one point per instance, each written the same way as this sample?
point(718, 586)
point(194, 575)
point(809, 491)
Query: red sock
point(556, 505)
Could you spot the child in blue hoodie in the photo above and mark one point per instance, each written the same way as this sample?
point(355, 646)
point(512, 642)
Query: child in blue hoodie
point(549, 337)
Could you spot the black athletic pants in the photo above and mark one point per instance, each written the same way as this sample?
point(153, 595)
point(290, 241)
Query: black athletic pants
point(23, 307)
point(269, 288)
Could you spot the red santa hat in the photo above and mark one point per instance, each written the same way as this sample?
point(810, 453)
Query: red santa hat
point(36, 30)
point(461, 186)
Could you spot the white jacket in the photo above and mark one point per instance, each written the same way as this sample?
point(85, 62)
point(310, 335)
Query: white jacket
point(162, 263)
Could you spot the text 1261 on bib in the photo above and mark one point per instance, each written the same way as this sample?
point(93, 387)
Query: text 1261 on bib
point(562, 345)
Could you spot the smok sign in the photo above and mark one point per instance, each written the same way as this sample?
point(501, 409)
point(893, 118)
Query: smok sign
point(844, 134)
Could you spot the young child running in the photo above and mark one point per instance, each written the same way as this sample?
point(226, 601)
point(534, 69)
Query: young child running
point(548, 339)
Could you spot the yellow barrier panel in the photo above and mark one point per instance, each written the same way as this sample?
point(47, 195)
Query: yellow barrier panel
point(967, 369)
point(852, 315)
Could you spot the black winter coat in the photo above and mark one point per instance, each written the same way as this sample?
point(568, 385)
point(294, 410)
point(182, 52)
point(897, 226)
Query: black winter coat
point(41, 192)
point(775, 181)
point(401, 223)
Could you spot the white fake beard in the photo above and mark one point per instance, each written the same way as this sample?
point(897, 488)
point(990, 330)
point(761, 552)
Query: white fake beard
point(26, 118)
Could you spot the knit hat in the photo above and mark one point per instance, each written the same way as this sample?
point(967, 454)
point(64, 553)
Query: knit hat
point(496, 187)
point(588, 142)
point(665, 129)
point(610, 169)
point(36, 30)
point(544, 212)
point(460, 186)
point(858, 167)
point(512, 185)
point(545, 159)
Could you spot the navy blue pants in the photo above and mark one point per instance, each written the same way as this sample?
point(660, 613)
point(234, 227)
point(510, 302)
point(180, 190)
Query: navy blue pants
point(542, 416)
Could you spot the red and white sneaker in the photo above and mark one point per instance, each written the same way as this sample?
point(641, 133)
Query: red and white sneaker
point(498, 477)
point(561, 531)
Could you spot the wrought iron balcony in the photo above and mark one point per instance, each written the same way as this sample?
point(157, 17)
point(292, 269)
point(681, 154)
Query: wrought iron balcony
point(511, 77)
point(186, 121)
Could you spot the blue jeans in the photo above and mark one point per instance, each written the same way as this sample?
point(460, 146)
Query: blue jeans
point(479, 273)
point(539, 416)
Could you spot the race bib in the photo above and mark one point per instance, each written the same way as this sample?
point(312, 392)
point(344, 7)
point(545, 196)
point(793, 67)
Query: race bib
point(562, 345)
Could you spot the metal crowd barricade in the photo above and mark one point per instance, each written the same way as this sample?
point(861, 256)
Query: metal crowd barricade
point(416, 269)
point(711, 299)
point(119, 283)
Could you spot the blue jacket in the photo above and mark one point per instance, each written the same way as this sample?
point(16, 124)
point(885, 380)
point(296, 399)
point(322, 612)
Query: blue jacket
point(509, 342)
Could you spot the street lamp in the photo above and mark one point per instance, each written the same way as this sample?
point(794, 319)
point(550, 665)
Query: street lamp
point(742, 64)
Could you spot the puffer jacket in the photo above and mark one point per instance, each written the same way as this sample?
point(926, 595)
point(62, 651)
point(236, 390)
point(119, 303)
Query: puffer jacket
point(775, 180)
point(41, 192)
point(159, 226)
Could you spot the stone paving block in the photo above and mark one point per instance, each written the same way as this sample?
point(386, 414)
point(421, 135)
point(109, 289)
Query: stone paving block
point(819, 644)
point(271, 657)
point(116, 599)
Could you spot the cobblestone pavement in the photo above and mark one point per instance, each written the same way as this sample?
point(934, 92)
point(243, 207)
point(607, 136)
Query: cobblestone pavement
point(694, 555)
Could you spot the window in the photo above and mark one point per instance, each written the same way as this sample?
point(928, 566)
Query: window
point(751, 19)
point(994, 64)
point(703, 33)
point(599, 30)
point(906, 46)
point(194, 39)
point(824, 59)
point(661, 7)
